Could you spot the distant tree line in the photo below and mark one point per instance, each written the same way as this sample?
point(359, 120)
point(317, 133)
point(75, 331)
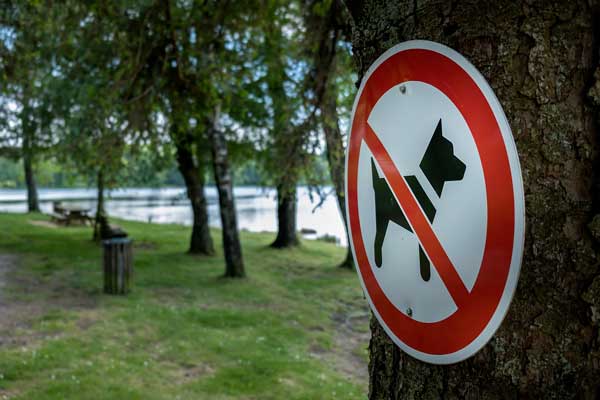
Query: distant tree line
point(140, 172)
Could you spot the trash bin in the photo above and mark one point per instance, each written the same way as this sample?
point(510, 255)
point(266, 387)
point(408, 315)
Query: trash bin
point(118, 265)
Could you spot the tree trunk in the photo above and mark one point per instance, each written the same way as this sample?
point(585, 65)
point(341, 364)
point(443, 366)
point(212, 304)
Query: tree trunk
point(286, 219)
point(336, 160)
point(193, 175)
point(288, 141)
point(33, 204)
point(539, 58)
point(100, 222)
point(234, 264)
point(327, 31)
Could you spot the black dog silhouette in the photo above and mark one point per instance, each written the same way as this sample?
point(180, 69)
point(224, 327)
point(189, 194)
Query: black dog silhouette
point(440, 165)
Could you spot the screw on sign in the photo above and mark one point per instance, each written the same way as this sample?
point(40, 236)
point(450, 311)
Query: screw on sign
point(434, 200)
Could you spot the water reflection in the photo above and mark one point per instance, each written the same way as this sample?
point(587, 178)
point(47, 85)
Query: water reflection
point(255, 207)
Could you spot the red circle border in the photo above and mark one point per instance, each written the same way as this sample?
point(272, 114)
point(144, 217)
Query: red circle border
point(462, 327)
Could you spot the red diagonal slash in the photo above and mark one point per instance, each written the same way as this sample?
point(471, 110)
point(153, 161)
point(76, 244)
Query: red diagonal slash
point(418, 221)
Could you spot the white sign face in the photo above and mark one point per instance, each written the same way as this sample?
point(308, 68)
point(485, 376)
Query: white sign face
point(434, 200)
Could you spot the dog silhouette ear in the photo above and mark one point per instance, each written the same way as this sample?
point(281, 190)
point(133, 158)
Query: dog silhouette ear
point(437, 134)
point(439, 164)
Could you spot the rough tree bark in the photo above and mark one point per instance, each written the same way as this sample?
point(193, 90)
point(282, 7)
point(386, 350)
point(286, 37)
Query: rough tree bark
point(234, 264)
point(539, 57)
point(33, 204)
point(193, 176)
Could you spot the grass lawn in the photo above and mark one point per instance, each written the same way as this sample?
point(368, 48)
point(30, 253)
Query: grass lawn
point(296, 328)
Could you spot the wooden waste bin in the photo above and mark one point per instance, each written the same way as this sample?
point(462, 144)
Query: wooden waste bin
point(118, 265)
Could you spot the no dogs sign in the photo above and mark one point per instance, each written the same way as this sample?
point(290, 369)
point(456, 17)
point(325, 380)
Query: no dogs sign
point(435, 201)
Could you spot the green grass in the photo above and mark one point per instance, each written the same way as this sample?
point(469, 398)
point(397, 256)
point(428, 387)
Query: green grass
point(184, 332)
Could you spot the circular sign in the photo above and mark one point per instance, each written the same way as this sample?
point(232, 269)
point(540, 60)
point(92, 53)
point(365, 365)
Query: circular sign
point(434, 197)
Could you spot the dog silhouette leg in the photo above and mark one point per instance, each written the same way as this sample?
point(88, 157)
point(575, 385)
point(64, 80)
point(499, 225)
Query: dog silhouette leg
point(424, 265)
point(378, 245)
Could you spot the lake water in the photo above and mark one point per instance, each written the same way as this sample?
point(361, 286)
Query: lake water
point(256, 207)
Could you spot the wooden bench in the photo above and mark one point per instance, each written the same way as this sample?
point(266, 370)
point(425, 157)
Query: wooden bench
point(78, 217)
point(69, 215)
point(58, 218)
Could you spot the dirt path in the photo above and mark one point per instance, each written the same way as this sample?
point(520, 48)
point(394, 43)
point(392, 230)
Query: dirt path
point(7, 263)
point(18, 308)
point(11, 313)
point(351, 340)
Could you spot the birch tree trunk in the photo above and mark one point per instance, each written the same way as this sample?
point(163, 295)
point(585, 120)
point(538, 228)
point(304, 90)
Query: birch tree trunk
point(540, 58)
point(234, 264)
